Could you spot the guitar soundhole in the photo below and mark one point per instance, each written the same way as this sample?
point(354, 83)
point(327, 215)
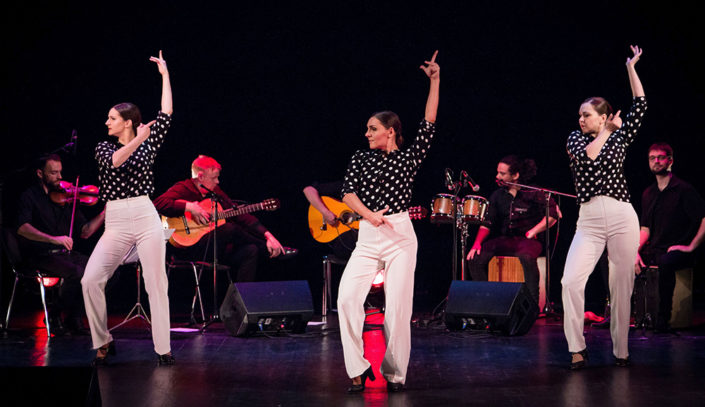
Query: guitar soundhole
point(347, 217)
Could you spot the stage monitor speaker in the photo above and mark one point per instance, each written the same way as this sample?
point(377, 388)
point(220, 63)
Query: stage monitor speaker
point(50, 385)
point(504, 307)
point(267, 307)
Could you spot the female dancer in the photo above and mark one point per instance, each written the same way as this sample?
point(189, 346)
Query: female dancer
point(126, 177)
point(606, 217)
point(378, 187)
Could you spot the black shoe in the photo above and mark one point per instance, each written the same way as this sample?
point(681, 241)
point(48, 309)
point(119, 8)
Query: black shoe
point(622, 362)
point(394, 387)
point(357, 388)
point(166, 359)
point(581, 363)
point(57, 327)
point(105, 350)
point(288, 253)
point(75, 326)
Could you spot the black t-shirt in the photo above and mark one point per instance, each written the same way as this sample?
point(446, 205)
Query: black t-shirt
point(673, 215)
point(514, 216)
point(37, 209)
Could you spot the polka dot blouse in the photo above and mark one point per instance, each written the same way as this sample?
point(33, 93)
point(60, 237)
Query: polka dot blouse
point(380, 179)
point(604, 175)
point(134, 177)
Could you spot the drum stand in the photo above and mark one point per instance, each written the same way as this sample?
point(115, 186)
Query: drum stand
point(548, 308)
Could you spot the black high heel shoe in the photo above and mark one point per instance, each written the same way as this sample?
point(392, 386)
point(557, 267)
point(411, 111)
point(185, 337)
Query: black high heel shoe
point(394, 387)
point(367, 374)
point(581, 363)
point(166, 359)
point(107, 349)
point(622, 362)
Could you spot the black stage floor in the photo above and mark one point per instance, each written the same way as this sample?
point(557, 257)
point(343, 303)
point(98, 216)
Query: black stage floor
point(446, 369)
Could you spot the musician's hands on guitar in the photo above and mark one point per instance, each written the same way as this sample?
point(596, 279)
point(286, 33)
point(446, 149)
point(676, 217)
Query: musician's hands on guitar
point(273, 246)
point(199, 215)
point(330, 218)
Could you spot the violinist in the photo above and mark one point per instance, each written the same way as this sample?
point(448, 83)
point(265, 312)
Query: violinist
point(47, 243)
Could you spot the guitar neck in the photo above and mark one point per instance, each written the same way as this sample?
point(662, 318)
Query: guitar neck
point(241, 210)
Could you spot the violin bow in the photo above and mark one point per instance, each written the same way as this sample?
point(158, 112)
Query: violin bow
point(73, 209)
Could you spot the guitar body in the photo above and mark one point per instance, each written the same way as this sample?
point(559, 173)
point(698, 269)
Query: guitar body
point(348, 220)
point(188, 232)
point(325, 233)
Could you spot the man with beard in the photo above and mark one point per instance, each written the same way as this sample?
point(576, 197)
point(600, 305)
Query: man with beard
point(672, 227)
point(515, 219)
point(44, 229)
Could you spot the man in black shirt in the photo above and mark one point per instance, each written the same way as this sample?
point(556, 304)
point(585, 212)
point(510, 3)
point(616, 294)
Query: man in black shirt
point(672, 227)
point(515, 219)
point(46, 244)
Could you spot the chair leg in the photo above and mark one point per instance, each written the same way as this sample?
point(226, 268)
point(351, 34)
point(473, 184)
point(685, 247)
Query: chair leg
point(9, 305)
point(42, 292)
point(326, 277)
point(197, 295)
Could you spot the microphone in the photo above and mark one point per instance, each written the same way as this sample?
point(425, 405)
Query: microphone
point(74, 142)
point(211, 194)
point(449, 179)
point(471, 183)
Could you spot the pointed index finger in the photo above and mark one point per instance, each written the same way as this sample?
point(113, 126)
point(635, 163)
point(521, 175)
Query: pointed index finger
point(433, 58)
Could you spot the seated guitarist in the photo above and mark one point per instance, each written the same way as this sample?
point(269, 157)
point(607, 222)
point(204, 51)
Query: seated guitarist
point(240, 240)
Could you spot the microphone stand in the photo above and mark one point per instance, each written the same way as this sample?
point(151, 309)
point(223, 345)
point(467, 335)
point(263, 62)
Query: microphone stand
point(215, 317)
point(548, 307)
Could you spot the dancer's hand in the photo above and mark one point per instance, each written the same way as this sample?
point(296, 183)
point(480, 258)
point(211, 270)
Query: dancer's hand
point(637, 53)
point(161, 63)
point(432, 69)
point(377, 218)
point(614, 122)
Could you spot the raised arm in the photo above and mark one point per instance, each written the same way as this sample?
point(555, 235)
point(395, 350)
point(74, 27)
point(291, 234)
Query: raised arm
point(433, 71)
point(634, 81)
point(167, 103)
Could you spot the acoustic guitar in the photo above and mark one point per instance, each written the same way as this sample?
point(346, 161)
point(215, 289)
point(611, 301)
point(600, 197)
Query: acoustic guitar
point(347, 219)
point(187, 232)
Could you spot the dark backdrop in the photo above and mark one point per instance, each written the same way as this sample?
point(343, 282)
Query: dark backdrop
point(280, 95)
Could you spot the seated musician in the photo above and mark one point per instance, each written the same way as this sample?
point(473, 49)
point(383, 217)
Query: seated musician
point(672, 227)
point(46, 242)
point(515, 219)
point(240, 241)
point(343, 245)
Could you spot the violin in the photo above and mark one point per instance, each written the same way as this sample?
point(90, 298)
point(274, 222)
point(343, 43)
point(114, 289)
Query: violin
point(86, 194)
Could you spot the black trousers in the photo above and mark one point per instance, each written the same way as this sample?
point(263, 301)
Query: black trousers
point(668, 263)
point(70, 267)
point(237, 248)
point(527, 250)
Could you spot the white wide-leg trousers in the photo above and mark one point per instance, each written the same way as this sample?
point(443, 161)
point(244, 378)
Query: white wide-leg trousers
point(396, 246)
point(129, 222)
point(602, 221)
